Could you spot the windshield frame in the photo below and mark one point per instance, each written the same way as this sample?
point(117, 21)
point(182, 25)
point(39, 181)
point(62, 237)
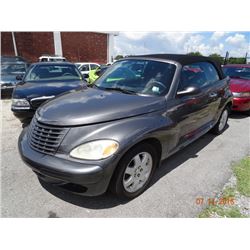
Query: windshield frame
point(166, 61)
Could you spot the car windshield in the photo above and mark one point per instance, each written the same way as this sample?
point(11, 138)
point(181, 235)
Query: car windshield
point(138, 76)
point(237, 72)
point(12, 59)
point(53, 72)
point(13, 69)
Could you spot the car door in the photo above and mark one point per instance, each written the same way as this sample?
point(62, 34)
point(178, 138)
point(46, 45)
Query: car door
point(215, 88)
point(191, 112)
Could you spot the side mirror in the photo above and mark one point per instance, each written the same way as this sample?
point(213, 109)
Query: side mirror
point(19, 77)
point(191, 90)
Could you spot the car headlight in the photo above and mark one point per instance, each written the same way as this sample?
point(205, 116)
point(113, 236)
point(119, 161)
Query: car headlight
point(95, 150)
point(241, 94)
point(20, 104)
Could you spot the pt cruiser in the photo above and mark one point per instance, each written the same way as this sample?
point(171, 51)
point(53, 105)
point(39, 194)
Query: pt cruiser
point(115, 134)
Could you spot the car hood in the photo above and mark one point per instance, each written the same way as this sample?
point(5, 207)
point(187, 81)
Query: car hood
point(31, 90)
point(91, 106)
point(239, 85)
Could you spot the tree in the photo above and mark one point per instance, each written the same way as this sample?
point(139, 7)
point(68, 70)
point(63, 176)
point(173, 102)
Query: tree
point(197, 53)
point(118, 57)
point(217, 57)
point(234, 60)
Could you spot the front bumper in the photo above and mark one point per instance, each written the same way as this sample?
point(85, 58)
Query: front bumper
point(241, 103)
point(6, 91)
point(93, 177)
point(24, 115)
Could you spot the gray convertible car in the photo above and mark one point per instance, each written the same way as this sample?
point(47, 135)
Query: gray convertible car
point(114, 135)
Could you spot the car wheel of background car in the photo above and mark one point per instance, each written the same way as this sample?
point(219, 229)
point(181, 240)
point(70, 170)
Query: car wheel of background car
point(134, 171)
point(221, 124)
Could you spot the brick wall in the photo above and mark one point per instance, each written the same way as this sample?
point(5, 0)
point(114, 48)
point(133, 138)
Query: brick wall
point(85, 46)
point(7, 48)
point(30, 45)
point(76, 46)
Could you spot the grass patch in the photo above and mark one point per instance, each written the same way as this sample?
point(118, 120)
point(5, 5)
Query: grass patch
point(233, 212)
point(242, 172)
point(228, 193)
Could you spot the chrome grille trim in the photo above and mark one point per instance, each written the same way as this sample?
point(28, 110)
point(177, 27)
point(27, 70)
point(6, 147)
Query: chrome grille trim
point(44, 138)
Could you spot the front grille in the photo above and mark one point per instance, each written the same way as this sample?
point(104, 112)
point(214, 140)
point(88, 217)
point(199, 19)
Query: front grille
point(45, 138)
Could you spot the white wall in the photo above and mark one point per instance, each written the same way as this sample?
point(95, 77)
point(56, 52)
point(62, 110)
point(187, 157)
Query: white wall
point(58, 43)
point(110, 46)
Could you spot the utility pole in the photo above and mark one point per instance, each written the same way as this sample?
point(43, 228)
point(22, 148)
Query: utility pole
point(226, 58)
point(14, 43)
point(246, 58)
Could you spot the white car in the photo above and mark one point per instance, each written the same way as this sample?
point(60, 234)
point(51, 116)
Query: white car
point(86, 67)
point(48, 58)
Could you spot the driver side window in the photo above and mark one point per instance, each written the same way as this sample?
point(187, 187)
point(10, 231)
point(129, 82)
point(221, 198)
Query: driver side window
point(199, 75)
point(192, 75)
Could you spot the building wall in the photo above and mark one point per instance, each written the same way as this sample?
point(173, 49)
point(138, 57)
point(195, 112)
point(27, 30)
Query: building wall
point(7, 48)
point(85, 46)
point(30, 45)
point(76, 46)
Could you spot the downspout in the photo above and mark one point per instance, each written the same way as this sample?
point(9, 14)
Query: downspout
point(14, 43)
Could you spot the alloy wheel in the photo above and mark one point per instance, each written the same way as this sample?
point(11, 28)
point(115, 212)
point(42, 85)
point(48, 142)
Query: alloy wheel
point(137, 172)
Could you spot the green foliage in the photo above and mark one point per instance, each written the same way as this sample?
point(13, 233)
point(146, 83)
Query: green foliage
point(221, 211)
point(217, 57)
point(234, 60)
point(118, 57)
point(242, 172)
point(197, 53)
point(228, 192)
point(220, 59)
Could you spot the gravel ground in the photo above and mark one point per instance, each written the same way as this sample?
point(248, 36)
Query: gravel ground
point(199, 170)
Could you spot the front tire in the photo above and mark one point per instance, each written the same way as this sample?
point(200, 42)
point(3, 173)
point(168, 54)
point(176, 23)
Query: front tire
point(135, 171)
point(220, 126)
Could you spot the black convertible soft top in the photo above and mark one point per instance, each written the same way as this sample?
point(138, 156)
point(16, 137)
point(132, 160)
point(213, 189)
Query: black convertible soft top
point(184, 60)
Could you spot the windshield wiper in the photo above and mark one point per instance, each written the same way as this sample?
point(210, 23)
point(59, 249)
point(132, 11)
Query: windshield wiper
point(126, 91)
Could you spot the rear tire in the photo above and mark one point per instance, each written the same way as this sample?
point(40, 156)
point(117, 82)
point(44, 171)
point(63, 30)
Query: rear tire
point(134, 172)
point(220, 126)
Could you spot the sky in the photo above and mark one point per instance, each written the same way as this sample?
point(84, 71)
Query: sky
point(135, 43)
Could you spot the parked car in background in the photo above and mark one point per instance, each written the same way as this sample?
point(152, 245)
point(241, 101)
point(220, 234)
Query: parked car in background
point(49, 58)
point(12, 59)
point(239, 85)
point(85, 67)
point(96, 73)
point(11, 67)
point(139, 112)
point(42, 82)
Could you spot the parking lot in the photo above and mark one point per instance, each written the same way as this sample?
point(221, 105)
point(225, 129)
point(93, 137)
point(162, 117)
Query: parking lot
point(199, 170)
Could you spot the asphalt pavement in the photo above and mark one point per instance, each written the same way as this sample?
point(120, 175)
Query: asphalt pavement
point(198, 171)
